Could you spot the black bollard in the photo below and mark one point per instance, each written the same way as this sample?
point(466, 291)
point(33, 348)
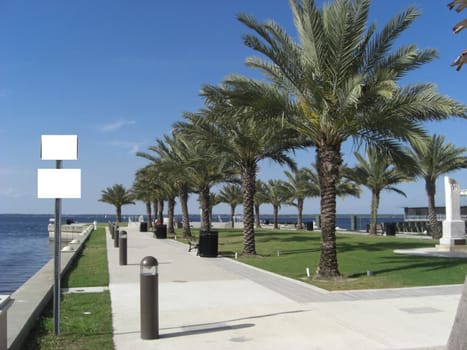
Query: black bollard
point(149, 298)
point(123, 248)
point(116, 238)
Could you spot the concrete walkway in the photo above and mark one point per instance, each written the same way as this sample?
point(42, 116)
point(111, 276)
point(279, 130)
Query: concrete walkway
point(218, 303)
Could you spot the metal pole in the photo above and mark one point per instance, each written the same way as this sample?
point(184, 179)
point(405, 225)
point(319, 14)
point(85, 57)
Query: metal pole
point(57, 260)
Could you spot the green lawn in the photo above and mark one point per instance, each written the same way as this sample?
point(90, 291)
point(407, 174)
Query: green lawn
point(356, 255)
point(86, 319)
point(91, 268)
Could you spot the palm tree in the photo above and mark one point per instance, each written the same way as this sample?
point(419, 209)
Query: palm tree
point(171, 158)
point(277, 195)
point(301, 185)
point(213, 201)
point(344, 187)
point(118, 196)
point(167, 190)
point(261, 197)
point(143, 190)
point(245, 140)
point(339, 80)
point(377, 172)
point(232, 195)
point(205, 166)
point(433, 158)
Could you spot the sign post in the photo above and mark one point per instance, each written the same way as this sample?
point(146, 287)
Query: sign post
point(58, 183)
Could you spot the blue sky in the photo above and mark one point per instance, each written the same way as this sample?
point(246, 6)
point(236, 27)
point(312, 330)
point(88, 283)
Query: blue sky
point(120, 73)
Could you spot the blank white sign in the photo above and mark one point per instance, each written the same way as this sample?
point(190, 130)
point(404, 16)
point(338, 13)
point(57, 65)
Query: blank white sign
point(59, 147)
point(58, 183)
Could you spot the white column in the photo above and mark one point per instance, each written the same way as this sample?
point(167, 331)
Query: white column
point(453, 226)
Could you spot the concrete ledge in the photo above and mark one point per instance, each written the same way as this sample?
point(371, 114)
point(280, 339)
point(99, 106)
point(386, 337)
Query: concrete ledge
point(5, 303)
point(32, 297)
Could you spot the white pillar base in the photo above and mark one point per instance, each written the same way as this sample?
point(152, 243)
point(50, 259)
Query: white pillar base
point(453, 233)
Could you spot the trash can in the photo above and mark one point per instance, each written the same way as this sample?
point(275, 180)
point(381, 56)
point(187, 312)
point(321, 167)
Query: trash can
point(309, 226)
point(161, 231)
point(208, 244)
point(143, 227)
point(390, 228)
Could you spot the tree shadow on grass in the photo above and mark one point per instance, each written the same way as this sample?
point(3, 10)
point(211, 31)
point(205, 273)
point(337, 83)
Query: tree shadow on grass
point(424, 264)
point(312, 239)
point(299, 251)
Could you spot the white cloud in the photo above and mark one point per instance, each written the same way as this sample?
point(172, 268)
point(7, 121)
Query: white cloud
point(130, 146)
point(115, 125)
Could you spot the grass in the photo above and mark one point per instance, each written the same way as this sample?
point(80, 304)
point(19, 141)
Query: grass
point(90, 270)
point(356, 255)
point(86, 319)
point(85, 323)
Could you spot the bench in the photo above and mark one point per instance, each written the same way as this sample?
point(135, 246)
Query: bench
point(192, 245)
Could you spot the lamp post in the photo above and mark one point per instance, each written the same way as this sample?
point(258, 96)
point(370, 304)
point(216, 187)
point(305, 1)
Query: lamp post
point(58, 183)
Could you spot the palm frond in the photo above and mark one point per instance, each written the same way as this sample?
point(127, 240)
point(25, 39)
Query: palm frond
point(383, 41)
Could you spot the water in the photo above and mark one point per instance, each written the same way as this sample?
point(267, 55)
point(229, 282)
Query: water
point(23, 249)
point(342, 221)
point(25, 246)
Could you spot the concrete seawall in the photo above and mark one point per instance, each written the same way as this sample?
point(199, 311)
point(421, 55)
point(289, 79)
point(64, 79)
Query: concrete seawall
point(32, 297)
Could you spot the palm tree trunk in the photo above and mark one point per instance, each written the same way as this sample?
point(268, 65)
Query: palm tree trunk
point(328, 162)
point(155, 207)
point(185, 216)
point(118, 209)
point(276, 216)
point(374, 212)
point(430, 188)
point(248, 176)
point(300, 214)
point(258, 221)
point(160, 215)
point(210, 212)
point(148, 213)
point(232, 214)
point(204, 202)
point(170, 214)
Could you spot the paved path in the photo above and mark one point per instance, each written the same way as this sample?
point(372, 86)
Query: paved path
point(219, 303)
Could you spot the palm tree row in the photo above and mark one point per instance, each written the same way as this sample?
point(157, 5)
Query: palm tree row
point(429, 160)
point(339, 80)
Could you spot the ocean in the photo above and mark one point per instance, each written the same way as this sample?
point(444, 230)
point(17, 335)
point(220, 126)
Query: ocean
point(25, 246)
